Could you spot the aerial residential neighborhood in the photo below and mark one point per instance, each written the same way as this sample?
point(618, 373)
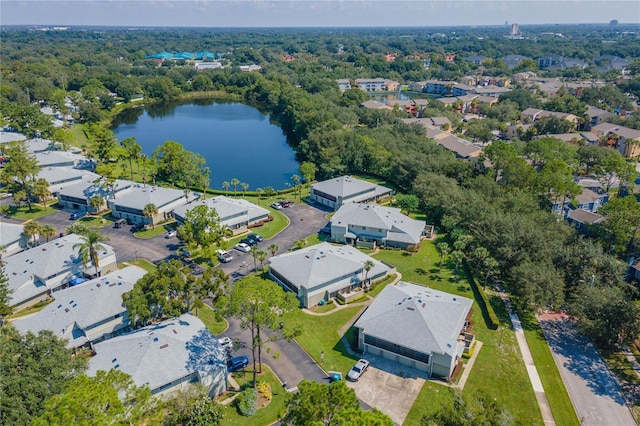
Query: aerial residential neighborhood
point(394, 225)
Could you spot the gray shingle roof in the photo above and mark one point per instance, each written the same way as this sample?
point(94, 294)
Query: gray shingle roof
point(417, 317)
point(322, 263)
point(401, 227)
point(51, 158)
point(76, 308)
point(461, 147)
point(87, 189)
point(10, 233)
point(230, 210)
point(345, 186)
point(162, 353)
point(25, 269)
point(139, 196)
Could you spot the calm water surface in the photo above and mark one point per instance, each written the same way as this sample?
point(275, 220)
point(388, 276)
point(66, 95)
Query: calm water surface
point(236, 140)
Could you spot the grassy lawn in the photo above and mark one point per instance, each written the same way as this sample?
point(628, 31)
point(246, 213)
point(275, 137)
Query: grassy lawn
point(22, 212)
point(499, 370)
point(79, 138)
point(557, 395)
point(159, 229)
point(208, 317)
point(324, 308)
point(378, 287)
point(97, 221)
point(32, 310)
point(268, 230)
point(622, 368)
point(265, 415)
point(143, 263)
point(321, 335)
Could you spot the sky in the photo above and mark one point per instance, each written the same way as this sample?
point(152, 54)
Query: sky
point(313, 13)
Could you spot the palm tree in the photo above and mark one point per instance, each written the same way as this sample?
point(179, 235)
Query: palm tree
point(262, 256)
point(89, 248)
point(368, 265)
point(259, 191)
point(133, 150)
point(244, 186)
point(150, 210)
point(273, 248)
point(254, 252)
point(48, 231)
point(235, 182)
point(296, 181)
point(444, 250)
point(225, 186)
point(489, 263)
point(32, 229)
point(41, 190)
point(457, 255)
point(96, 202)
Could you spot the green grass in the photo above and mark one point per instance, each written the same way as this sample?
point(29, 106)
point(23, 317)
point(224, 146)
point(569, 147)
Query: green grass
point(155, 231)
point(23, 213)
point(561, 407)
point(97, 221)
point(263, 416)
point(379, 286)
point(499, 370)
point(143, 263)
point(324, 308)
point(321, 335)
point(79, 138)
point(208, 317)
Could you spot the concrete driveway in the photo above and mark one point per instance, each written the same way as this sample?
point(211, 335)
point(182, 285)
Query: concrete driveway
point(389, 386)
point(594, 392)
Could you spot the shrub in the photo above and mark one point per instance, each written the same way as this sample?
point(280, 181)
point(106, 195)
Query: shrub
point(247, 402)
point(265, 389)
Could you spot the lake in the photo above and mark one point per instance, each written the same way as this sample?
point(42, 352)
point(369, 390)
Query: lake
point(236, 140)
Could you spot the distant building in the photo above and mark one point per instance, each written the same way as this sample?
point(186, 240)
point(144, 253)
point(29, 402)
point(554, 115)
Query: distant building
point(560, 63)
point(200, 66)
point(624, 139)
point(513, 61)
point(344, 84)
point(346, 189)
point(250, 68)
point(130, 204)
point(439, 87)
point(376, 85)
point(476, 60)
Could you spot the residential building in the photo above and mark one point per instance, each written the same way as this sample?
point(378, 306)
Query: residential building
point(377, 85)
point(323, 271)
point(597, 115)
point(439, 87)
point(200, 66)
point(462, 148)
point(35, 273)
point(610, 62)
point(460, 89)
point(78, 196)
point(61, 159)
point(12, 239)
point(418, 86)
point(530, 115)
point(250, 68)
point(583, 219)
point(130, 204)
point(346, 189)
point(372, 225)
point(89, 312)
point(560, 63)
point(167, 356)
point(373, 104)
point(10, 136)
point(410, 106)
point(513, 61)
point(431, 131)
point(491, 90)
point(476, 60)
point(624, 139)
point(344, 84)
point(236, 214)
point(417, 326)
point(63, 177)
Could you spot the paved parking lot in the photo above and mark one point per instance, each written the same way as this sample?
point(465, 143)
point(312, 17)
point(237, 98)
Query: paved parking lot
point(391, 387)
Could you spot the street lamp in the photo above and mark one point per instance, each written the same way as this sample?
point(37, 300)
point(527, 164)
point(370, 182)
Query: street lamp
point(136, 252)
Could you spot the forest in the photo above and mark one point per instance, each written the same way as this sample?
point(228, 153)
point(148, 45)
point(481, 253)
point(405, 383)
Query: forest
point(501, 206)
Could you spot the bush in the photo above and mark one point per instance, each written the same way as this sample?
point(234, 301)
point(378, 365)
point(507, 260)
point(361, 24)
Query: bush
point(265, 389)
point(247, 402)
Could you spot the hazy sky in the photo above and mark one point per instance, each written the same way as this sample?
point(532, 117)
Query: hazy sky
point(313, 13)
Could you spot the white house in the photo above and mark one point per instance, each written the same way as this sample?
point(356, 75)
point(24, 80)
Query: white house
point(35, 273)
point(370, 224)
point(130, 204)
point(346, 189)
point(166, 356)
point(77, 196)
point(418, 327)
point(324, 271)
point(235, 213)
point(88, 312)
point(63, 177)
point(12, 238)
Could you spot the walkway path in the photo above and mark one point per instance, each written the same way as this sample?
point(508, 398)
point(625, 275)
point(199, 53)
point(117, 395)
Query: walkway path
point(534, 377)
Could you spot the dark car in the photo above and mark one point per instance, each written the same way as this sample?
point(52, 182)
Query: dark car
point(237, 363)
point(137, 227)
point(286, 204)
point(256, 237)
point(248, 241)
point(77, 215)
point(326, 230)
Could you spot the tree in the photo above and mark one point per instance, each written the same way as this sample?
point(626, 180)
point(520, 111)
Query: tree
point(149, 211)
point(225, 186)
point(192, 406)
point(202, 226)
point(244, 187)
point(20, 170)
point(32, 229)
point(78, 228)
point(34, 368)
point(260, 304)
point(104, 142)
point(458, 256)
point(111, 397)
point(480, 254)
point(296, 181)
point(273, 248)
point(472, 410)
point(5, 294)
point(41, 191)
point(261, 255)
point(367, 266)
point(490, 265)
point(329, 404)
point(179, 166)
point(443, 249)
point(254, 253)
point(235, 182)
point(308, 171)
point(133, 151)
point(96, 202)
point(89, 247)
point(259, 192)
point(408, 202)
point(623, 222)
point(48, 231)
point(537, 285)
point(613, 167)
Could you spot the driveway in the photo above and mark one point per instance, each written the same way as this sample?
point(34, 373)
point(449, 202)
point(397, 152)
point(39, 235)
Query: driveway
point(594, 392)
point(389, 386)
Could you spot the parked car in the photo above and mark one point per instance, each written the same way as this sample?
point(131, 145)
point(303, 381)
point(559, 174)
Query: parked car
point(237, 363)
point(77, 215)
point(248, 241)
point(137, 227)
point(171, 233)
point(120, 223)
point(356, 371)
point(183, 252)
point(245, 248)
point(5, 195)
point(256, 237)
point(225, 256)
point(286, 204)
point(276, 206)
point(226, 343)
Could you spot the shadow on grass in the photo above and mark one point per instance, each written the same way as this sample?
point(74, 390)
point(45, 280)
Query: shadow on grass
point(480, 301)
point(351, 336)
point(420, 271)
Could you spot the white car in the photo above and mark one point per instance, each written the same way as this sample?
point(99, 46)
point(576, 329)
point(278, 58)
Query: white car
point(276, 206)
point(245, 248)
point(171, 233)
point(357, 370)
point(226, 343)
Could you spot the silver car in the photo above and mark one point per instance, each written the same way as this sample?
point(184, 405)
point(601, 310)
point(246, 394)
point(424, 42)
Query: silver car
point(357, 370)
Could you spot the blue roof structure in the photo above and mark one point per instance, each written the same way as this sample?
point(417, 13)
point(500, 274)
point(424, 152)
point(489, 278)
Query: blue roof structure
point(182, 56)
point(161, 55)
point(203, 56)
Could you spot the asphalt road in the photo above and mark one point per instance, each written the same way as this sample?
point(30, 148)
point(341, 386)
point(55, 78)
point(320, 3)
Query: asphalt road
point(594, 392)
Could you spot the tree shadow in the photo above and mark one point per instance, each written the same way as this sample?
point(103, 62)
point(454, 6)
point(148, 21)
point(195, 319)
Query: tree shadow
point(420, 271)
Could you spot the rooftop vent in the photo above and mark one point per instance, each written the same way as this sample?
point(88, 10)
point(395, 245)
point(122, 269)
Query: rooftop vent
point(166, 345)
point(155, 339)
point(410, 308)
point(114, 360)
point(66, 309)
